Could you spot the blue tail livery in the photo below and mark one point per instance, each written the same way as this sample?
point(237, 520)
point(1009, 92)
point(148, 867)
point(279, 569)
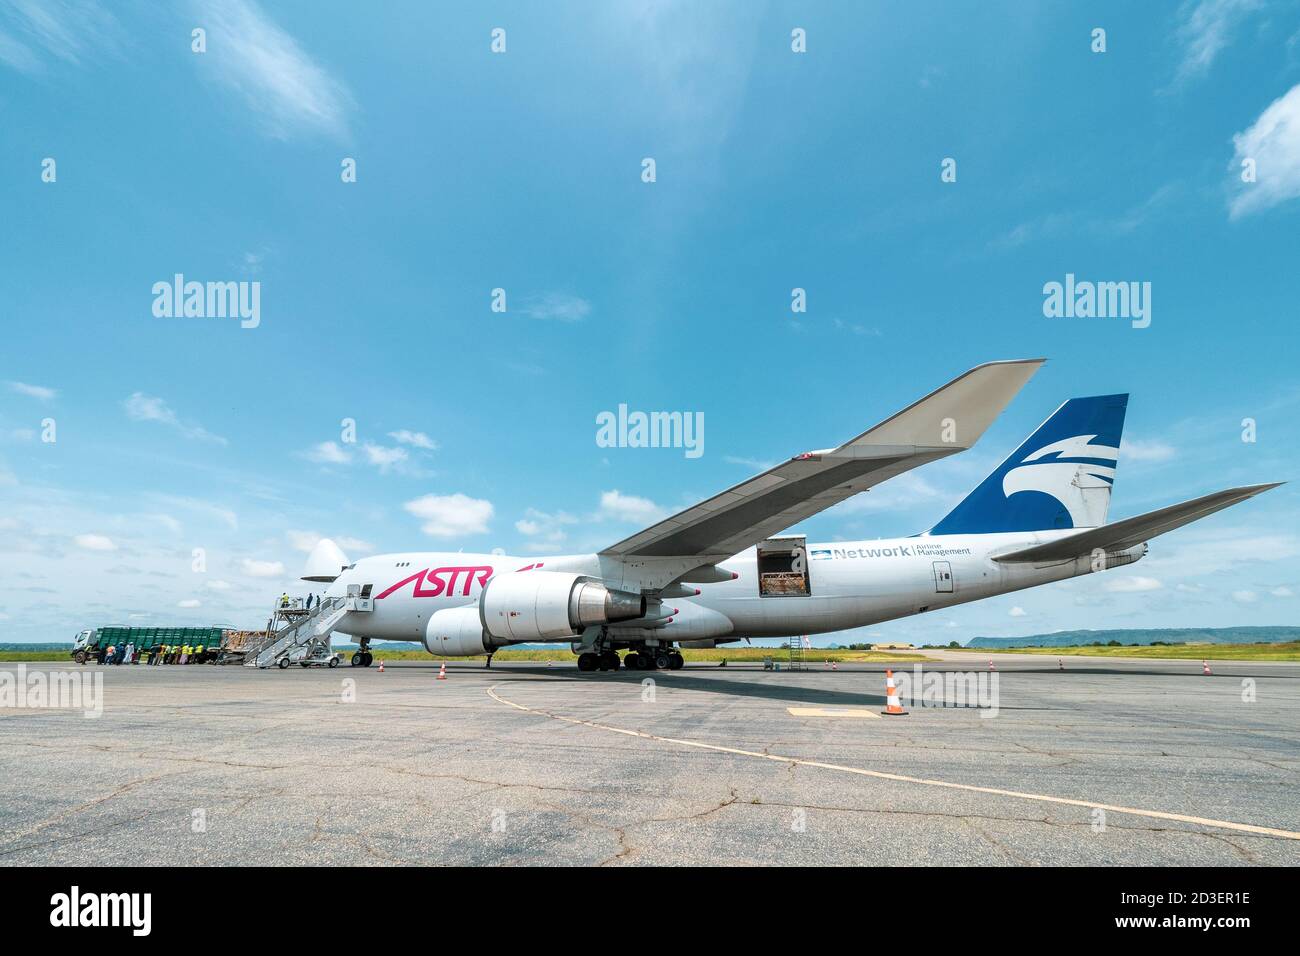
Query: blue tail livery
point(1061, 477)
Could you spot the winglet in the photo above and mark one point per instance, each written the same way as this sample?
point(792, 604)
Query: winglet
point(955, 415)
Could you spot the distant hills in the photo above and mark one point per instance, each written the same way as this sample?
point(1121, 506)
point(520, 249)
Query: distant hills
point(1166, 635)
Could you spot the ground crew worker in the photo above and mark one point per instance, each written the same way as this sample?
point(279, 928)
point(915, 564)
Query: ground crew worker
point(109, 654)
point(130, 653)
point(198, 654)
point(284, 599)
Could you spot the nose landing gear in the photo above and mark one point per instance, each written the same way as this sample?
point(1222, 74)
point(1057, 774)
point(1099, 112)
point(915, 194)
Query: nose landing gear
point(362, 657)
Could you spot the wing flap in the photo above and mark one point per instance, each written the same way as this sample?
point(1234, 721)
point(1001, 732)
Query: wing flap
point(1129, 532)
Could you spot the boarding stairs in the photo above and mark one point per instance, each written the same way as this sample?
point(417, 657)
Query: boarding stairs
point(300, 629)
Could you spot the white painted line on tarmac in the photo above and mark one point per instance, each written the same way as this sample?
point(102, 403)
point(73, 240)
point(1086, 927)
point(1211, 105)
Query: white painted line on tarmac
point(901, 778)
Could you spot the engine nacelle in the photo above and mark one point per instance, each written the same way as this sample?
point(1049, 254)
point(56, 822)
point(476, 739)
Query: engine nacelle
point(456, 632)
point(548, 605)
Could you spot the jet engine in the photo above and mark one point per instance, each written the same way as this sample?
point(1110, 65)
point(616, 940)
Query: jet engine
point(546, 605)
point(457, 632)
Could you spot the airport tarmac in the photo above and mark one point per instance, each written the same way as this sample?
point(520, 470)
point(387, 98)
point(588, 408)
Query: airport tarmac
point(1107, 762)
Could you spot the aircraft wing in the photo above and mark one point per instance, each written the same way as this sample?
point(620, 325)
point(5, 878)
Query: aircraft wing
point(948, 420)
point(1133, 531)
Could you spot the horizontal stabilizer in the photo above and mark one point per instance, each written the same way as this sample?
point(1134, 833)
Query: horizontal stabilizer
point(1133, 531)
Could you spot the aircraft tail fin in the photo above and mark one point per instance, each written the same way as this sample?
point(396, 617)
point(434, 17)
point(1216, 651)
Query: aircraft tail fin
point(1060, 477)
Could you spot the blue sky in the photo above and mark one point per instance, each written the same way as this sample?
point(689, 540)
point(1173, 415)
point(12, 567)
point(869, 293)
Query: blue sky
point(522, 171)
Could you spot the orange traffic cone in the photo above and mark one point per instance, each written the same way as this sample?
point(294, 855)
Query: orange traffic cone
point(442, 671)
point(991, 667)
point(835, 665)
point(893, 706)
point(381, 667)
point(1205, 668)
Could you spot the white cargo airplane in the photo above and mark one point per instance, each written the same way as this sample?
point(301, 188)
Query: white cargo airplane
point(721, 571)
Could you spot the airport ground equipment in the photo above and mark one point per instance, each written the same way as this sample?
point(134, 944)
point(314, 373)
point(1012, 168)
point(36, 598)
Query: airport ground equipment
point(88, 643)
point(301, 636)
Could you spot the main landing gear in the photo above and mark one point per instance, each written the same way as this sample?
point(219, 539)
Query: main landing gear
point(605, 661)
point(363, 657)
point(663, 659)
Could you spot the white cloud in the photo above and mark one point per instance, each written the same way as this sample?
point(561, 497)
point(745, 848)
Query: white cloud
point(1245, 597)
point(446, 516)
point(752, 463)
point(189, 602)
point(384, 458)
point(1273, 142)
point(327, 453)
point(556, 305)
point(1017, 611)
point(617, 506)
point(1205, 31)
point(1282, 592)
point(1134, 449)
point(546, 531)
point(1196, 553)
point(306, 541)
point(262, 569)
point(249, 54)
point(148, 408)
point(219, 585)
point(34, 391)
point(1133, 585)
point(416, 439)
point(95, 542)
point(68, 30)
point(224, 515)
point(353, 544)
point(905, 491)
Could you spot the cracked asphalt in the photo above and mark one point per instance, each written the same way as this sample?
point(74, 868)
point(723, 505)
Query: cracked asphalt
point(227, 766)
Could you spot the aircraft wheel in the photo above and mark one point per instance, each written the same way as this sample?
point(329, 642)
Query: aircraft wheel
point(367, 659)
point(614, 661)
point(663, 661)
point(356, 659)
point(678, 662)
point(587, 662)
point(632, 661)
